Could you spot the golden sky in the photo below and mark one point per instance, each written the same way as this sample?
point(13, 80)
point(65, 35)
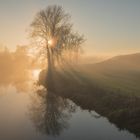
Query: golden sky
point(111, 26)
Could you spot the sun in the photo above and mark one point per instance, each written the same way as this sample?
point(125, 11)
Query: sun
point(50, 42)
point(36, 73)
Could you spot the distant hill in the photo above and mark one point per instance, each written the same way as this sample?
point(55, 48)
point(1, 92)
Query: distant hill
point(129, 62)
point(117, 73)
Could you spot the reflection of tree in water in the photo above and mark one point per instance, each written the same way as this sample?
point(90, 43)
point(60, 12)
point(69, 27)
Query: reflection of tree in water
point(50, 113)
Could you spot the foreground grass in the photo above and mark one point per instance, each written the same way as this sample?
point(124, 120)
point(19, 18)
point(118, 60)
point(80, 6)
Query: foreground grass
point(125, 82)
point(94, 92)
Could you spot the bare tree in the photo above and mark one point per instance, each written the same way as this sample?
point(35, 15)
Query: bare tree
point(52, 30)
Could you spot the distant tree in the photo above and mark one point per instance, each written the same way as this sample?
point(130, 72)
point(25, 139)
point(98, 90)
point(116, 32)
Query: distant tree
point(14, 65)
point(52, 31)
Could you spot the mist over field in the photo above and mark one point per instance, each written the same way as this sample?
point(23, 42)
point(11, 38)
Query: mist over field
point(69, 70)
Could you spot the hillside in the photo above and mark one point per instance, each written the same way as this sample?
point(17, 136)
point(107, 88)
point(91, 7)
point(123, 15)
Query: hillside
point(120, 73)
point(130, 62)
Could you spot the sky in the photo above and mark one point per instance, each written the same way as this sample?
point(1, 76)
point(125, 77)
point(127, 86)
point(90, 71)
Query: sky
point(109, 26)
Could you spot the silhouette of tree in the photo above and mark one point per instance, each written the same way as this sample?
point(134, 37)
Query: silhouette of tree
point(52, 31)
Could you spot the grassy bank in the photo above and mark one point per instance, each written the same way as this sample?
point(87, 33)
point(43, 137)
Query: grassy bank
point(121, 109)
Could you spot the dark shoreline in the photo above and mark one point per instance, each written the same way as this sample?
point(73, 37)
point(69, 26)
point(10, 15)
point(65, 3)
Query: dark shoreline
point(119, 109)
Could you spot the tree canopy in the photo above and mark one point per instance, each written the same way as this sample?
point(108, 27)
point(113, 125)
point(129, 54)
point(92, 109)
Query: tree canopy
point(53, 33)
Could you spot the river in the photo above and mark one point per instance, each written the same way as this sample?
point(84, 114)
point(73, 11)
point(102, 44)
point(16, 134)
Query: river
point(30, 113)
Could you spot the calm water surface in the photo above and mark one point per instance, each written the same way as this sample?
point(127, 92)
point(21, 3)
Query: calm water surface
point(31, 114)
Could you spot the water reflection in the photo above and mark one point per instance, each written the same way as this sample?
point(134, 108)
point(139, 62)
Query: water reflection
point(52, 116)
point(50, 113)
point(23, 80)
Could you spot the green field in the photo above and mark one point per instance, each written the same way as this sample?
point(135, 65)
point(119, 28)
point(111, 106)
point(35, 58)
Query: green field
point(119, 74)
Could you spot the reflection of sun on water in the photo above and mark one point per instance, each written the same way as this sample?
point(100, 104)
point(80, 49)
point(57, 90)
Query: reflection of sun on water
point(35, 73)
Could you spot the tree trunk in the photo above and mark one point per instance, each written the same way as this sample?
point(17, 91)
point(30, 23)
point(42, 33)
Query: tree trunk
point(49, 78)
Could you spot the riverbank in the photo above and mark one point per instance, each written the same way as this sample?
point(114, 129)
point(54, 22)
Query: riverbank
point(121, 109)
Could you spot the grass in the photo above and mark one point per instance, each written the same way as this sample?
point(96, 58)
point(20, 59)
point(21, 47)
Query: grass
point(126, 82)
point(102, 93)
